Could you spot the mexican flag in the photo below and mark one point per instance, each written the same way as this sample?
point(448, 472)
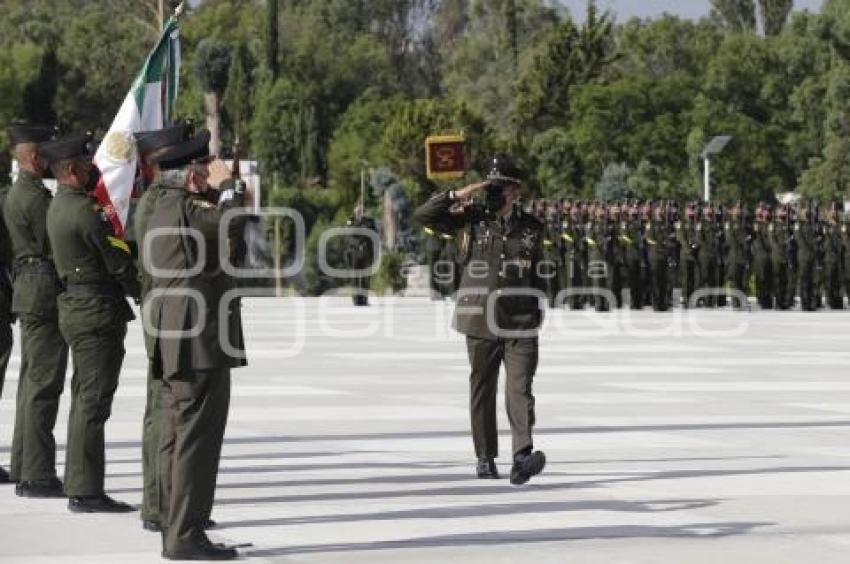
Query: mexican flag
point(148, 106)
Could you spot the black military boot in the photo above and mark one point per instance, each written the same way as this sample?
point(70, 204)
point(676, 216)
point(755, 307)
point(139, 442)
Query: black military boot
point(527, 465)
point(4, 476)
point(97, 504)
point(486, 469)
point(201, 549)
point(50, 487)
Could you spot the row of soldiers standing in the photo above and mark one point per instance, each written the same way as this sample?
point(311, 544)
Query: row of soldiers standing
point(609, 254)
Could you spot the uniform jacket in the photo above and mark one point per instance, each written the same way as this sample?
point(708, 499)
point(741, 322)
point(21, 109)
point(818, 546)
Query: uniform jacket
point(501, 268)
point(36, 284)
point(191, 332)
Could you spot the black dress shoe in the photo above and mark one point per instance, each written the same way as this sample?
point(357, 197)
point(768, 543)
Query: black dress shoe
point(527, 465)
point(4, 476)
point(486, 469)
point(202, 549)
point(51, 487)
point(154, 526)
point(97, 504)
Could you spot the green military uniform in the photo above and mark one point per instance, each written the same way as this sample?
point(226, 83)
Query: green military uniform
point(688, 237)
point(359, 255)
point(194, 366)
point(762, 265)
point(780, 235)
point(657, 238)
point(553, 267)
point(153, 401)
point(845, 239)
point(631, 240)
point(709, 261)
point(44, 354)
point(97, 272)
point(570, 241)
point(807, 234)
point(433, 247)
point(503, 257)
point(6, 316)
point(600, 241)
point(738, 241)
point(833, 263)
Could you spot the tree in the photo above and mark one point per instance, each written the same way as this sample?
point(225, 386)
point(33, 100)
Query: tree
point(212, 68)
point(614, 184)
point(774, 15)
point(735, 15)
point(272, 39)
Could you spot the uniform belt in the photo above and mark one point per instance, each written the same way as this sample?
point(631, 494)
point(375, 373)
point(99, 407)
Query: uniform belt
point(93, 289)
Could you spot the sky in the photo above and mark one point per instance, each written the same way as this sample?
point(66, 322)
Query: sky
point(626, 9)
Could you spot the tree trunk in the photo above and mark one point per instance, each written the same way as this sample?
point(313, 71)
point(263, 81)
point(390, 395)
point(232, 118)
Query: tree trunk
point(211, 109)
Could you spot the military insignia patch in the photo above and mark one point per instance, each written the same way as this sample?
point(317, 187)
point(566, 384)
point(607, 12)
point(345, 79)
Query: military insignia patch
point(203, 204)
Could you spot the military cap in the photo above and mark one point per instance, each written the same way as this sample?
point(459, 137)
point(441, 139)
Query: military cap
point(20, 132)
point(503, 168)
point(149, 142)
point(194, 150)
point(68, 147)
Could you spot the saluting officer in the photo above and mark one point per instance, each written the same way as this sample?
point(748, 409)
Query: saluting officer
point(498, 309)
point(44, 354)
point(97, 271)
point(150, 144)
point(193, 334)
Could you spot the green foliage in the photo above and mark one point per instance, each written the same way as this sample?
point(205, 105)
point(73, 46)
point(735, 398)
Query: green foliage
point(614, 184)
point(390, 277)
point(735, 15)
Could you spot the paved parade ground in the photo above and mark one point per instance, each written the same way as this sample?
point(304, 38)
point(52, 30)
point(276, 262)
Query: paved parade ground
point(672, 438)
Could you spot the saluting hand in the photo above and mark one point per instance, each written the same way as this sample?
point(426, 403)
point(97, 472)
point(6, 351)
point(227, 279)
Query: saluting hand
point(218, 173)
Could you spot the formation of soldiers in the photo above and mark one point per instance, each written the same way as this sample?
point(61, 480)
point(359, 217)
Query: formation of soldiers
point(67, 275)
point(661, 254)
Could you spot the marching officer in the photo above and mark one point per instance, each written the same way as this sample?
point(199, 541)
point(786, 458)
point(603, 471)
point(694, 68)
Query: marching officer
point(96, 271)
point(498, 310)
point(194, 366)
point(359, 254)
point(44, 354)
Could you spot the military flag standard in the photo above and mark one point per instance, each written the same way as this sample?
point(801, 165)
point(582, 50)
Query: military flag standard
point(148, 106)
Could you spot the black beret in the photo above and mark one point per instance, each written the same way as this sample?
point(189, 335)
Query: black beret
point(148, 142)
point(29, 133)
point(69, 147)
point(187, 152)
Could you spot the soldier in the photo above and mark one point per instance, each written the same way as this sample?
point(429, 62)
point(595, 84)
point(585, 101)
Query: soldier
point(434, 243)
point(657, 238)
point(96, 271)
point(688, 237)
point(739, 252)
point(845, 240)
point(600, 259)
point(807, 234)
point(148, 145)
point(44, 354)
point(632, 243)
point(359, 254)
point(194, 366)
point(833, 258)
point(780, 235)
point(552, 266)
point(709, 253)
point(503, 258)
point(571, 237)
point(761, 257)
point(6, 316)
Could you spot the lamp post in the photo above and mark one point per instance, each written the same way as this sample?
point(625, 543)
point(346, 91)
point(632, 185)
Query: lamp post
point(714, 147)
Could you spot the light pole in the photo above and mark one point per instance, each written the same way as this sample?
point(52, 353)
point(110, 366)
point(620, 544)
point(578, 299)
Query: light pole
point(714, 147)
